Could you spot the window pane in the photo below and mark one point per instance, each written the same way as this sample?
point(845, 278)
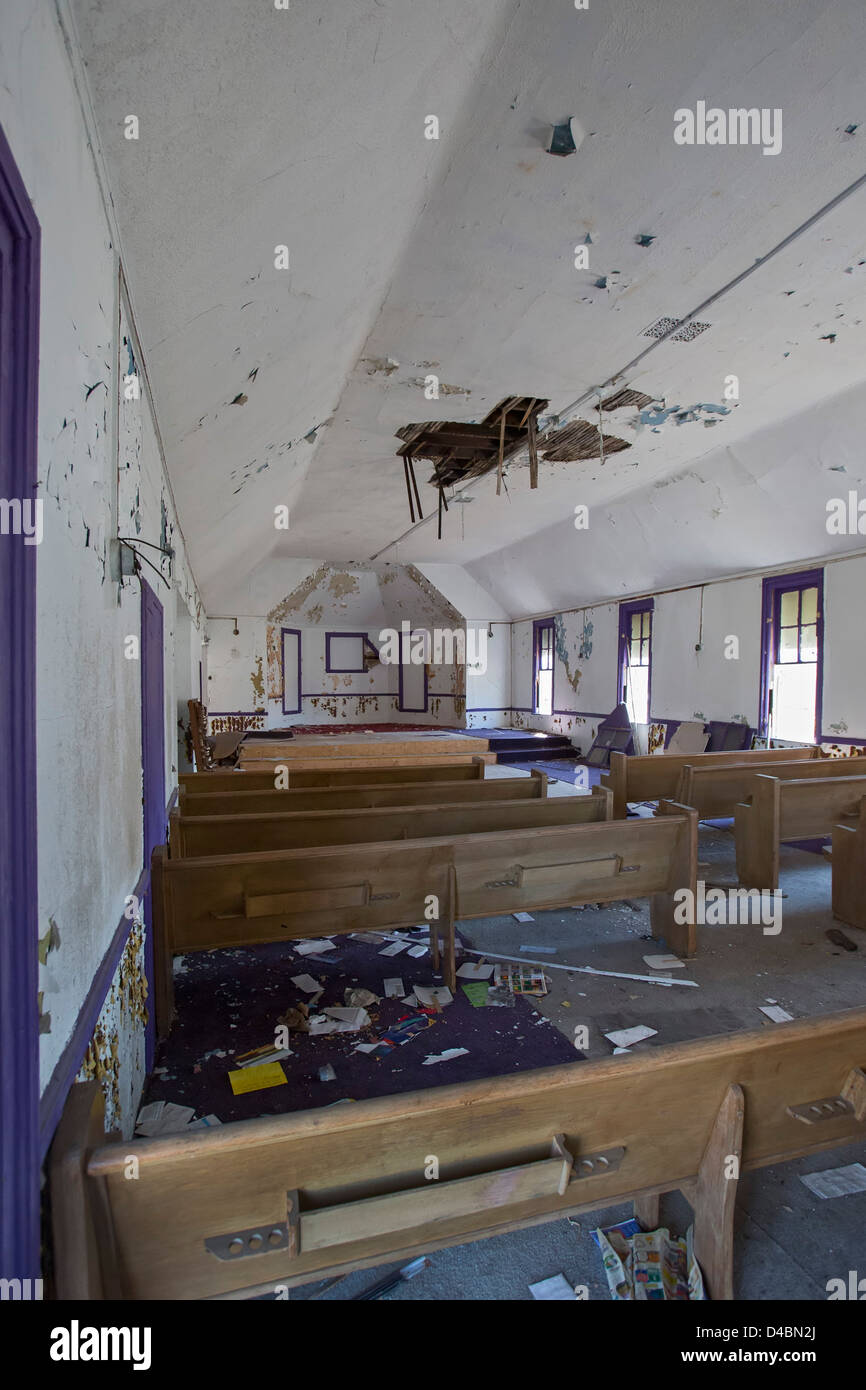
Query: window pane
point(635, 624)
point(789, 644)
point(790, 607)
point(809, 606)
point(645, 629)
point(809, 643)
point(634, 653)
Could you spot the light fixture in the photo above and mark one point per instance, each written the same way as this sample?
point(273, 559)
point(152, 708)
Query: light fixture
point(236, 630)
point(562, 140)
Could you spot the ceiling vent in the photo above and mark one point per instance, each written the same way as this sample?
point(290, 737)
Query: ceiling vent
point(690, 329)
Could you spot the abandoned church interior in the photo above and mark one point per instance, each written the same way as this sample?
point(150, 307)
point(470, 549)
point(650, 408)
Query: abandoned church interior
point(433, 633)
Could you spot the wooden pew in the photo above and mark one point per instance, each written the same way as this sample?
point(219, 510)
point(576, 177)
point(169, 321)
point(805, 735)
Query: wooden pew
point(801, 809)
point(373, 762)
point(333, 776)
point(849, 870)
point(714, 791)
point(284, 895)
point(238, 803)
point(272, 1203)
point(651, 777)
point(290, 895)
point(191, 835)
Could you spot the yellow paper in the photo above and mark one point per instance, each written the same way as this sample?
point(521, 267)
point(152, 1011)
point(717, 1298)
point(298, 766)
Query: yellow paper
point(257, 1078)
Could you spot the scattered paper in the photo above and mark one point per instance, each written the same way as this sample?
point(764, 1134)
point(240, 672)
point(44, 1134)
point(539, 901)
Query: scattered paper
point(352, 1018)
point(446, 1056)
point(306, 982)
point(665, 963)
point(627, 1037)
point(394, 988)
point(163, 1117)
point(776, 1013)
point(542, 950)
point(417, 951)
point(523, 916)
point(394, 949)
point(257, 1078)
point(206, 1122)
point(366, 1047)
point(309, 948)
point(476, 993)
point(430, 995)
point(836, 1182)
point(474, 970)
point(557, 1287)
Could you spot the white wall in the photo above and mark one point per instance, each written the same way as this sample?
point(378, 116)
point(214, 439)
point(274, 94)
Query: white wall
point(705, 684)
point(88, 692)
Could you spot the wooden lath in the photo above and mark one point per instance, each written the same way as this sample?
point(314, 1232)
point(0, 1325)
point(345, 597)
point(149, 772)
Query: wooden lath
point(462, 450)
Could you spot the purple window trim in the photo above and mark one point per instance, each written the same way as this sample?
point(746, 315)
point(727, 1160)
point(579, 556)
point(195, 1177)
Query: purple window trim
point(640, 605)
point(537, 625)
point(422, 709)
point(19, 1025)
point(295, 632)
point(348, 670)
point(802, 579)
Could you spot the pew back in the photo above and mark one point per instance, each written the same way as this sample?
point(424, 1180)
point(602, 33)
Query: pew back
point(286, 1199)
point(328, 776)
point(653, 776)
point(237, 803)
point(715, 791)
point(797, 810)
point(242, 834)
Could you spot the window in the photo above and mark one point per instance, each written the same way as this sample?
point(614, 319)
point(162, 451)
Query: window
point(543, 647)
point(635, 657)
point(348, 652)
point(791, 657)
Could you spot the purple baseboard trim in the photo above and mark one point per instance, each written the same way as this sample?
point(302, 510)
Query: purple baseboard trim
point(237, 713)
point(840, 738)
point(69, 1063)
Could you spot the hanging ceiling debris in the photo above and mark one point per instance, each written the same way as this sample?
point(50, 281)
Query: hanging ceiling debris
point(460, 451)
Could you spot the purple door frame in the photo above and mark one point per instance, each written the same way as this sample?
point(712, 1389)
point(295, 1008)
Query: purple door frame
point(401, 705)
point(19, 911)
point(152, 768)
point(626, 610)
point(773, 585)
point(537, 627)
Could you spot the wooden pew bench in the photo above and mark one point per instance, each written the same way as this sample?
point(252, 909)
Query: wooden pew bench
point(651, 777)
point(328, 776)
point(714, 791)
point(191, 835)
point(284, 895)
point(848, 861)
point(257, 1205)
point(801, 809)
point(235, 802)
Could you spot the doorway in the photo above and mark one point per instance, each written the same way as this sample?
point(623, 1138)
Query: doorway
point(792, 657)
point(152, 766)
point(542, 666)
point(19, 912)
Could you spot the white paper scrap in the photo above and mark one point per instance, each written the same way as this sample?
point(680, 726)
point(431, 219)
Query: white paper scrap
point(446, 1056)
point(306, 982)
point(417, 951)
point(542, 950)
point(474, 970)
point(309, 948)
point(523, 916)
point(428, 995)
point(627, 1037)
point(776, 1013)
point(394, 988)
point(366, 1047)
point(394, 949)
point(557, 1287)
point(665, 963)
point(353, 1018)
point(836, 1182)
point(206, 1122)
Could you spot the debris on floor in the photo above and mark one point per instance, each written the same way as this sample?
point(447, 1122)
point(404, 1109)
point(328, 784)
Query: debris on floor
point(776, 1013)
point(556, 1288)
point(665, 963)
point(627, 1037)
point(649, 1266)
point(836, 1182)
point(838, 938)
point(447, 1056)
point(257, 1078)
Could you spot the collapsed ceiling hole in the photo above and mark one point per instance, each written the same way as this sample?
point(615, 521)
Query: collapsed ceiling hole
point(626, 397)
point(460, 450)
point(579, 440)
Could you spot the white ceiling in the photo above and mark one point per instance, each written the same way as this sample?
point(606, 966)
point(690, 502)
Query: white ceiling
point(306, 127)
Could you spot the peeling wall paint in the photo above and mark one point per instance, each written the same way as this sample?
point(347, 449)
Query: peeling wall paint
point(115, 1054)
